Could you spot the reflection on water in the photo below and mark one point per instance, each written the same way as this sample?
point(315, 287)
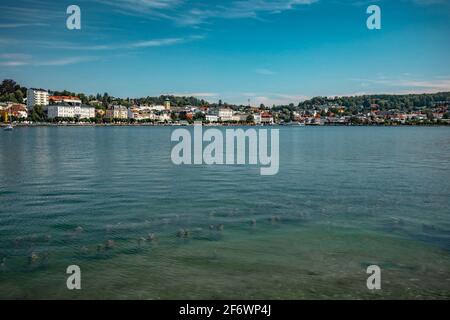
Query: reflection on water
point(111, 201)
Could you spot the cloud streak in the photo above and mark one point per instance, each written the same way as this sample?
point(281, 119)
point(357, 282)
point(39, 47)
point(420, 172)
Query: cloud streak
point(184, 13)
point(18, 60)
point(21, 25)
point(264, 72)
point(133, 45)
point(196, 94)
point(424, 86)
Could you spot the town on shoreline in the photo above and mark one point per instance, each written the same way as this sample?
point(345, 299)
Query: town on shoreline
point(38, 107)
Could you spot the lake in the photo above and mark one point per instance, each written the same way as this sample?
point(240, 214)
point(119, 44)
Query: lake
point(344, 198)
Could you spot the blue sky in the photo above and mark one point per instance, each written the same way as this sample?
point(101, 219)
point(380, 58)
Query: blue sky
point(277, 51)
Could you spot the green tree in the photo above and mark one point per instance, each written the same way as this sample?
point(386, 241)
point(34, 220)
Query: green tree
point(11, 97)
point(8, 86)
point(19, 96)
point(37, 115)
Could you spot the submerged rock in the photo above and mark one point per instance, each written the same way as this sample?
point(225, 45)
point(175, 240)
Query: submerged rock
point(141, 241)
point(183, 233)
point(33, 258)
point(398, 221)
point(428, 228)
point(17, 242)
point(45, 257)
point(79, 229)
point(151, 237)
point(274, 219)
point(218, 227)
point(110, 244)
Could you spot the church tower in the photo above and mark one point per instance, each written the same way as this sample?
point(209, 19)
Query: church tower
point(167, 104)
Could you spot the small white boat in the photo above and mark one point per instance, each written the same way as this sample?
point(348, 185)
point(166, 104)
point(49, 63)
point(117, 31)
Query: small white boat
point(9, 127)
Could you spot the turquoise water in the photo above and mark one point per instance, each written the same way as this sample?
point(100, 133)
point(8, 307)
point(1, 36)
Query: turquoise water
point(344, 198)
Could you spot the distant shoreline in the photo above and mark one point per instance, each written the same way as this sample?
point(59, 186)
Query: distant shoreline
point(81, 125)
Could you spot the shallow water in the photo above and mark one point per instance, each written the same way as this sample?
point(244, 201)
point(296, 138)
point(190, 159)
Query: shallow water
point(344, 198)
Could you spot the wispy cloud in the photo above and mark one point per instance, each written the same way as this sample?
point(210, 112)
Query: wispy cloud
point(20, 56)
point(13, 63)
point(14, 59)
point(149, 8)
point(271, 98)
point(17, 60)
point(428, 2)
point(143, 5)
point(185, 13)
point(368, 2)
point(157, 43)
point(132, 45)
point(31, 14)
point(403, 85)
point(21, 25)
point(264, 72)
point(66, 61)
point(239, 10)
point(196, 94)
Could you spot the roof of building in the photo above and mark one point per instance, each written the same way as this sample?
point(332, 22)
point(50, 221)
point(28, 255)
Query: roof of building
point(36, 89)
point(63, 104)
point(61, 98)
point(16, 107)
point(115, 107)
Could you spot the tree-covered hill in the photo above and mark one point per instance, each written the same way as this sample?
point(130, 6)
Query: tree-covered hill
point(408, 102)
point(11, 91)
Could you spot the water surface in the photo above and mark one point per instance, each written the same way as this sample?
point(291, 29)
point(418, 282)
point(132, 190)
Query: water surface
point(344, 198)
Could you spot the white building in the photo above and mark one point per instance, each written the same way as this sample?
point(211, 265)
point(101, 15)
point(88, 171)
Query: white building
point(17, 110)
point(226, 115)
point(164, 117)
point(68, 111)
point(240, 117)
point(158, 108)
point(37, 97)
point(140, 114)
point(266, 118)
point(212, 118)
point(117, 112)
point(257, 118)
point(133, 113)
